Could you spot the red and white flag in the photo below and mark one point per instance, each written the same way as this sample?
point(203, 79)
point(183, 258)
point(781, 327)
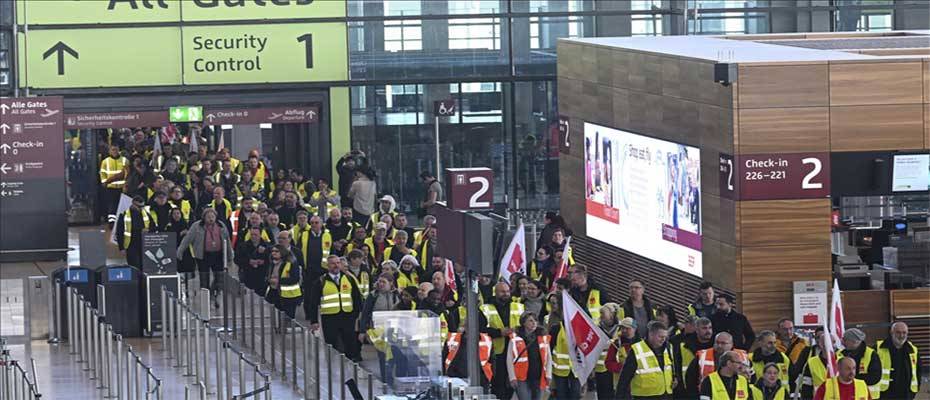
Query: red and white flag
point(837, 321)
point(561, 270)
point(827, 346)
point(514, 259)
point(585, 340)
point(450, 275)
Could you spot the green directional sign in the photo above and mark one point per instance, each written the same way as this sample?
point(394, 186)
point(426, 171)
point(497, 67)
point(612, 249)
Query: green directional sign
point(119, 57)
point(185, 114)
point(310, 52)
point(58, 12)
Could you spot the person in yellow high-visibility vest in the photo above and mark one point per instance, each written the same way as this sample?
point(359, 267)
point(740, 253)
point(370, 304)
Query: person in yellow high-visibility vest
point(870, 367)
point(336, 296)
point(727, 383)
point(284, 281)
point(845, 386)
point(901, 370)
point(129, 229)
point(113, 171)
point(503, 317)
point(647, 371)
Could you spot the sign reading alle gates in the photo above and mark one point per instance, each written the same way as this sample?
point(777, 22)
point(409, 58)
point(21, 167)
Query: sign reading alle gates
point(181, 55)
point(810, 303)
point(185, 114)
point(469, 188)
point(776, 176)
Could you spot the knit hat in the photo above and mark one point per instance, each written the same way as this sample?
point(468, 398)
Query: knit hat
point(854, 334)
point(628, 323)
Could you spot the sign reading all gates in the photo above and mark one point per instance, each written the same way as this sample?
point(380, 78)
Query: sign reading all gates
point(183, 54)
point(32, 174)
point(810, 303)
point(185, 114)
point(469, 188)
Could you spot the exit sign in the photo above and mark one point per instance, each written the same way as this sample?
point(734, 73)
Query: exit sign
point(185, 114)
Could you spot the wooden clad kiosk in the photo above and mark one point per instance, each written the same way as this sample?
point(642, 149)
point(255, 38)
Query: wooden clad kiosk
point(766, 112)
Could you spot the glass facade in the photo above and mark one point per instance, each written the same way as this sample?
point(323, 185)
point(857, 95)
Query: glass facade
point(497, 58)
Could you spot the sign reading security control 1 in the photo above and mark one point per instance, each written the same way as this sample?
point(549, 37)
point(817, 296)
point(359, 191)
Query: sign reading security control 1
point(183, 54)
point(264, 53)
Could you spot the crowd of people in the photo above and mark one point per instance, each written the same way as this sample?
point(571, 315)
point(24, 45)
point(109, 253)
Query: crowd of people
point(342, 254)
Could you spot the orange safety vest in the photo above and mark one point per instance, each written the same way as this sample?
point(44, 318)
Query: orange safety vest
point(521, 363)
point(707, 362)
point(484, 352)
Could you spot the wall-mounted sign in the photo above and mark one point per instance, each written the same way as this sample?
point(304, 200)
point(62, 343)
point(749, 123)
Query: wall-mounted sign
point(269, 115)
point(783, 176)
point(158, 253)
point(727, 175)
point(115, 120)
point(564, 132)
point(810, 303)
point(185, 114)
point(444, 108)
point(153, 11)
point(469, 188)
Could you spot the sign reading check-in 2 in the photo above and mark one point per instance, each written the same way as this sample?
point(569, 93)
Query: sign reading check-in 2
point(777, 176)
point(166, 43)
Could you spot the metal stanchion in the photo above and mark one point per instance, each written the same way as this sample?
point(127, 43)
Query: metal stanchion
point(283, 330)
point(169, 324)
point(226, 365)
point(240, 291)
point(206, 356)
point(109, 361)
point(78, 328)
point(164, 320)
point(129, 391)
point(316, 368)
point(138, 372)
point(261, 334)
point(69, 299)
point(189, 350)
point(329, 369)
point(235, 324)
point(252, 320)
point(56, 304)
point(294, 327)
point(271, 316)
point(342, 377)
point(196, 321)
point(255, 381)
point(371, 386)
point(119, 366)
point(241, 374)
point(305, 338)
point(92, 343)
point(220, 348)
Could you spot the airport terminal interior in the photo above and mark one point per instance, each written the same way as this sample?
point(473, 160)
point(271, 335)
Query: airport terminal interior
point(465, 199)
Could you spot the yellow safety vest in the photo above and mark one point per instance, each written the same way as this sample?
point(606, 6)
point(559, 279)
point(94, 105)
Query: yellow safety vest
point(561, 361)
point(302, 238)
point(757, 394)
point(407, 280)
point(363, 281)
point(832, 390)
point(110, 167)
point(289, 291)
point(127, 225)
point(650, 380)
point(227, 205)
point(336, 298)
point(594, 304)
point(719, 391)
point(885, 357)
point(758, 366)
point(494, 321)
point(317, 196)
point(185, 207)
point(874, 390)
point(818, 373)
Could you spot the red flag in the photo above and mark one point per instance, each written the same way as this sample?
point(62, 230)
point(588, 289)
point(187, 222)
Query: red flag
point(450, 275)
point(827, 346)
point(514, 259)
point(585, 340)
point(562, 269)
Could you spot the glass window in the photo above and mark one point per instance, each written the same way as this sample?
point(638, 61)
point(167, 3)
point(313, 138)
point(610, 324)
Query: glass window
point(475, 33)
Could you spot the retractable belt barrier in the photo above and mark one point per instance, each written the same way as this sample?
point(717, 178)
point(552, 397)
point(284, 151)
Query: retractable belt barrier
point(95, 345)
point(14, 380)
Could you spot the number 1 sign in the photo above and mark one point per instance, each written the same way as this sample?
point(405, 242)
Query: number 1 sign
point(469, 188)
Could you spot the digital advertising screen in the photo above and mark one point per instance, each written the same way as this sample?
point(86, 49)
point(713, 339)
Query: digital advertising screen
point(644, 195)
point(911, 172)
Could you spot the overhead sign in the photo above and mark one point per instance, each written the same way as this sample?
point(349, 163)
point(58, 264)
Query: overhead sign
point(224, 54)
point(115, 120)
point(469, 188)
point(306, 52)
point(84, 58)
point(185, 114)
point(32, 174)
point(268, 115)
point(155, 11)
point(810, 303)
point(783, 176)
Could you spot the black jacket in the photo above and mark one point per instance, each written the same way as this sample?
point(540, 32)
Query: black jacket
point(581, 296)
point(874, 374)
point(735, 324)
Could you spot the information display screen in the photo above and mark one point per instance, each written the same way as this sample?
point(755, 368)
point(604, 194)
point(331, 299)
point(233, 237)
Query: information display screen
point(911, 172)
point(644, 195)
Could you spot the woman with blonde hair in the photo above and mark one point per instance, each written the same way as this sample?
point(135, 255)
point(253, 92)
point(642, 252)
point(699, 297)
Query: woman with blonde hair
point(605, 373)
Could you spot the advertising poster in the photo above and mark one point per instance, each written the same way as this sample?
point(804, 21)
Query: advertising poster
point(643, 195)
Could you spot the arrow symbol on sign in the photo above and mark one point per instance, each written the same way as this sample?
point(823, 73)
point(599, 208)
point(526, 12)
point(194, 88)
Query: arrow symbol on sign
point(4, 168)
point(5, 147)
point(210, 117)
point(3, 108)
point(178, 113)
point(60, 48)
point(311, 114)
point(4, 127)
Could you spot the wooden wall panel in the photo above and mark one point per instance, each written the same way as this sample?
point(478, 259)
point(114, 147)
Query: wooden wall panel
point(774, 268)
point(866, 306)
point(910, 303)
point(926, 81)
point(721, 264)
point(927, 126)
point(785, 222)
point(783, 86)
point(866, 128)
point(764, 309)
point(784, 130)
point(875, 83)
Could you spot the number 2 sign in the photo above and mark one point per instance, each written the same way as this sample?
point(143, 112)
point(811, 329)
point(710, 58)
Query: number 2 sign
point(469, 188)
point(775, 176)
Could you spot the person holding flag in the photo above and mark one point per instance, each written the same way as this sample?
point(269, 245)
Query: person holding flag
point(583, 341)
point(647, 374)
point(514, 260)
point(503, 317)
point(561, 262)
